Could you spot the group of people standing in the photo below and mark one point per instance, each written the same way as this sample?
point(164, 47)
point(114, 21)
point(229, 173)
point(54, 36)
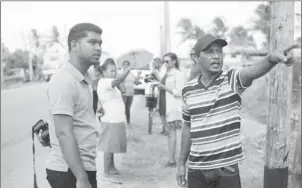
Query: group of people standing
point(207, 104)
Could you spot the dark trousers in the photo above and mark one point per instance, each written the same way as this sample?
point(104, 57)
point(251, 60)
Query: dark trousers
point(216, 178)
point(128, 102)
point(58, 179)
point(95, 100)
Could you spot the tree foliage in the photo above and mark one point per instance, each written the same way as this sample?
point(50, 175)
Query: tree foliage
point(239, 37)
point(17, 59)
point(188, 30)
point(262, 23)
point(219, 30)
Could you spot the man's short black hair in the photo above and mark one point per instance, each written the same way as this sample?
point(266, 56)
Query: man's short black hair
point(80, 31)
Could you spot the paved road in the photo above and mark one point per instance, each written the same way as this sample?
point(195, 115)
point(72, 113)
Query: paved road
point(20, 109)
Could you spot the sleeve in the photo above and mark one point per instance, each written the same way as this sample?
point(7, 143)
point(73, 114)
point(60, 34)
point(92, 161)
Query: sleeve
point(62, 97)
point(104, 85)
point(186, 116)
point(179, 84)
point(235, 82)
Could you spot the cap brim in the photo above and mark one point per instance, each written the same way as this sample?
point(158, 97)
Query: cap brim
point(221, 42)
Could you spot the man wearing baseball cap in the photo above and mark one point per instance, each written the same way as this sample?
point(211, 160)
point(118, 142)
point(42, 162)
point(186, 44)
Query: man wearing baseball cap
point(211, 139)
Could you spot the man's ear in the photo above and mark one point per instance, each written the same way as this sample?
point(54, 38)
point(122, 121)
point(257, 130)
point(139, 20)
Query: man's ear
point(74, 45)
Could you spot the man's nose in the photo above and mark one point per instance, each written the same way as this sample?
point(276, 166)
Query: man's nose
point(215, 55)
point(98, 47)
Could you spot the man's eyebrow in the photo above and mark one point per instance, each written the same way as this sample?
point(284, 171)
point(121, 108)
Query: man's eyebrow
point(93, 39)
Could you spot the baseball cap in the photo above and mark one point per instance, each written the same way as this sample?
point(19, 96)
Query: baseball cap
point(206, 40)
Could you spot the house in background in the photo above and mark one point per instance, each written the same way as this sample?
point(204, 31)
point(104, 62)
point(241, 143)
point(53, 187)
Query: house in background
point(54, 56)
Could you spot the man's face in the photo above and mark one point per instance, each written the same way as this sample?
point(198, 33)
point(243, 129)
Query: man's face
point(89, 48)
point(211, 59)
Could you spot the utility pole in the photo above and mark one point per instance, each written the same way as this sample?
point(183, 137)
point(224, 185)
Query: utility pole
point(162, 45)
point(30, 56)
point(296, 181)
point(167, 37)
point(280, 95)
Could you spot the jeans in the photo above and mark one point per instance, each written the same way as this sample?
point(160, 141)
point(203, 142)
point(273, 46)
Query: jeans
point(58, 179)
point(128, 102)
point(216, 178)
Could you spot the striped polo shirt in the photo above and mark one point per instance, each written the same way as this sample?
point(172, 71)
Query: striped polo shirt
point(213, 112)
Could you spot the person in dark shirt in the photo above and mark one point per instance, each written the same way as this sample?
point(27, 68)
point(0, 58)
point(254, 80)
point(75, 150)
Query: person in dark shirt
point(196, 69)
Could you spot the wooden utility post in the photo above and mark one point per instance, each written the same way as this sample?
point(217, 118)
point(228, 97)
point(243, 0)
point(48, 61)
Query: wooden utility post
point(296, 181)
point(167, 41)
point(280, 94)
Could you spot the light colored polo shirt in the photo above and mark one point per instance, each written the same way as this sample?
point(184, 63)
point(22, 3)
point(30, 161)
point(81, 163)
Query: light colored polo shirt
point(70, 93)
point(112, 101)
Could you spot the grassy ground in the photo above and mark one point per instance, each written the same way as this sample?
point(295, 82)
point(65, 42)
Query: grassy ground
point(143, 165)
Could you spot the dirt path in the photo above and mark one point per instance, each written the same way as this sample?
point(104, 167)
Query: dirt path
point(143, 165)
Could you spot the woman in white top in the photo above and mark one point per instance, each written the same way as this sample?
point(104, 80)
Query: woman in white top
point(112, 138)
point(170, 107)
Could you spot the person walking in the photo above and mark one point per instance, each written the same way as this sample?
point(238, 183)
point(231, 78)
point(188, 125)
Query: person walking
point(195, 70)
point(93, 71)
point(170, 102)
point(211, 139)
point(72, 127)
point(128, 85)
point(158, 72)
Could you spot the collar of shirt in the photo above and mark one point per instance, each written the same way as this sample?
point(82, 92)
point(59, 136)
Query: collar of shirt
point(77, 74)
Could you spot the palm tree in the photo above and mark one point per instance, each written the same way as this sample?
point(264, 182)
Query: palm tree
point(56, 35)
point(262, 23)
point(239, 37)
point(34, 52)
point(188, 30)
point(220, 28)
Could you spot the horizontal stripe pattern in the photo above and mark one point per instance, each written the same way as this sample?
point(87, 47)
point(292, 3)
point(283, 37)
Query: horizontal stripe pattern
point(215, 121)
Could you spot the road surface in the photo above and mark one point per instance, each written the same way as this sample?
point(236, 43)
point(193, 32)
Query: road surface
point(21, 108)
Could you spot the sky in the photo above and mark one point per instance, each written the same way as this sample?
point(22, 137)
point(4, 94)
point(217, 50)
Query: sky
point(126, 25)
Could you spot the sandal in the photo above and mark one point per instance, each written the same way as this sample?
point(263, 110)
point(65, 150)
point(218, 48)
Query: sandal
point(112, 180)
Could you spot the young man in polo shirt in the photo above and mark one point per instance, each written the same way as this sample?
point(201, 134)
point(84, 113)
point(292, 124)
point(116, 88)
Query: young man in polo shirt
point(73, 136)
point(211, 102)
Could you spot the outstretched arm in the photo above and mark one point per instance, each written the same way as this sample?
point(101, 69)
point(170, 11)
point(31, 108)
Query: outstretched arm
point(248, 74)
point(121, 77)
